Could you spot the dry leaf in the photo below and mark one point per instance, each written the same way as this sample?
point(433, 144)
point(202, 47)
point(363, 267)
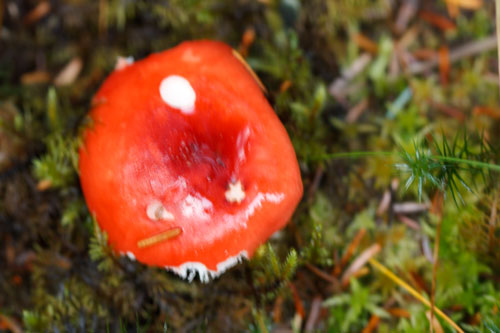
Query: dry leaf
point(69, 73)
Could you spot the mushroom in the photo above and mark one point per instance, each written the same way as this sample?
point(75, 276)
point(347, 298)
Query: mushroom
point(186, 165)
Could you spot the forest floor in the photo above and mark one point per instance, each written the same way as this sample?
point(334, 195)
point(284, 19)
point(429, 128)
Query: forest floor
point(393, 109)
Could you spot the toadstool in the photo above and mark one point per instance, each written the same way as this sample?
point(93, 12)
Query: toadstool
point(186, 165)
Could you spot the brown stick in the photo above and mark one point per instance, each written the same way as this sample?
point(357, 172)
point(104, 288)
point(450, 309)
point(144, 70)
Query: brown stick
point(350, 250)
point(464, 51)
point(325, 276)
point(372, 324)
point(360, 261)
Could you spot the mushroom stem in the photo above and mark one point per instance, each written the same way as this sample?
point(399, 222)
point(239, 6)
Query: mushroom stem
point(166, 235)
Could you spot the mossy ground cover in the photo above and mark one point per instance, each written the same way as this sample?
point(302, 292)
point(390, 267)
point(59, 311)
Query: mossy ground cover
point(393, 109)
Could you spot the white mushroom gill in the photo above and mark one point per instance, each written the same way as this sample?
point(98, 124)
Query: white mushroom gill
point(178, 93)
point(188, 270)
point(259, 199)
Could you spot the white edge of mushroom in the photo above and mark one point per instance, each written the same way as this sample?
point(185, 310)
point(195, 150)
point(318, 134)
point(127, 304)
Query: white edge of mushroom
point(188, 270)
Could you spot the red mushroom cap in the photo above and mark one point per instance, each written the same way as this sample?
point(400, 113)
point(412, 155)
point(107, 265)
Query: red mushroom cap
point(186, 165)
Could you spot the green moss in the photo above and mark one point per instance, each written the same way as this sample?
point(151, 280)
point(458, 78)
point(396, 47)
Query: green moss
point(61, 275)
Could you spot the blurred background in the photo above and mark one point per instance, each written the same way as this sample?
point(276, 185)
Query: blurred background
point(412, 84)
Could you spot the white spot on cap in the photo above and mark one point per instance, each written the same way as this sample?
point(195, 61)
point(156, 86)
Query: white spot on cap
point(235, 192)
point(188, 270)
point(177, 92)
point(156, 212)
point(196, 206)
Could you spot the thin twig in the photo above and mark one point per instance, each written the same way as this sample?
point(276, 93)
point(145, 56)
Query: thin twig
point(277, 312)
point(349, 252)
point(381, 154)
point(41, 10)
point(320, 170)
point(103, 16)
point(409, 222)
point(439, 207)
point(409, 207)
point(384, 203)
point(356, 111)
point(497, 5)
point(466, 4)
point(372, 324)
point(299, 306)
point(325, 276)
point(313, 314)
point(1, 13)
point(406, 12)
point(435, 324)
point(384, 270)
point(338, 87)
point(358, 154)
point(464, 51)
point(493, 218)
point(10, 324)
point(360, 261)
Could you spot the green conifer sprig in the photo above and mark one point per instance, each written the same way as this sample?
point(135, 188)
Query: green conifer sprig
point(451, 167)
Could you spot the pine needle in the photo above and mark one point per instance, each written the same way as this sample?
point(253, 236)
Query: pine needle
point(161, 237)
point(492, 222)
point(442, 165)
point(497, 5)
point(384, 270)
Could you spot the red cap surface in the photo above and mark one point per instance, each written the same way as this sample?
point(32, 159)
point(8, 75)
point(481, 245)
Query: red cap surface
point(186, 165)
